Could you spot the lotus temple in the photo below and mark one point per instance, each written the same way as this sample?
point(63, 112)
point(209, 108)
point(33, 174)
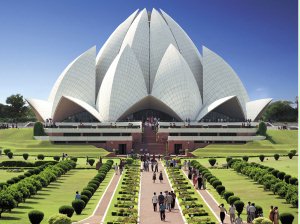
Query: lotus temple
point(149, 88)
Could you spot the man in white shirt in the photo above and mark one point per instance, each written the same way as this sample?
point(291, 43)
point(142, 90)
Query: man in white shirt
point(232, 213)
point(252, 211)
point(154, 201)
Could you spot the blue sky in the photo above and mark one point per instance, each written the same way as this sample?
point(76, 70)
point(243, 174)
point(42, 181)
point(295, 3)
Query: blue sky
point(258, 38)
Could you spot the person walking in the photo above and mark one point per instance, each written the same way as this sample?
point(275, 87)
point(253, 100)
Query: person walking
point(77, 196)
point(152, 165)
point(271, 213)
point(154, 201)
point(174, 199)
point(276, 215)
point(161, 198)
point(195, 179)
point(190, 174)
point(154, 177)
point(238, 220)
point(162, 209)
point(161, 177)
point(116, 169)
point(169, 201)
point(248, 212)
point(204, 182)
point(252, 211)
point(232, 213)
point(156, 167)
point(199, 179)
point(222, 212)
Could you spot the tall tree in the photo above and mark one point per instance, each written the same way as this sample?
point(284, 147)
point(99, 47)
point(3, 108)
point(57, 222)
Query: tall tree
point(16, 107)
point(281, 111)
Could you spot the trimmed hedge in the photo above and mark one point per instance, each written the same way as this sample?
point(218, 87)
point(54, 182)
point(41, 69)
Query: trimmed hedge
point(66, 210)
point(35, 216)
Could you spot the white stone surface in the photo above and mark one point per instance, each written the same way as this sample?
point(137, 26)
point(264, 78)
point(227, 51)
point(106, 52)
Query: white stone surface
point(256, 107)
point(220, 80)
point(111, 48)
point(187, 48)
point(122, 86)
point(175, 85)
point(77, 80)
point(41, 108)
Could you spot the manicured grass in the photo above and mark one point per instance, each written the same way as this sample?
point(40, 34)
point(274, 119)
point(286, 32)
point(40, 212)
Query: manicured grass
point(48, 200)
point(93, 202)
point(285, 164)
point(248, 190)
point(21, 141)
point(281, 142)
point(4, 175)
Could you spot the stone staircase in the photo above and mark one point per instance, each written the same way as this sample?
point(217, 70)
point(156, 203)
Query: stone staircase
point(149, 142)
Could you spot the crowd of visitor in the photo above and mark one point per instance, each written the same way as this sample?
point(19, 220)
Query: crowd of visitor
point(165, 201)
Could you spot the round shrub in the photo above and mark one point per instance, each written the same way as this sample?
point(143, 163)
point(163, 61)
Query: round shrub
point(216, 183)
point(66, 210)
point(35, 216)
point(91, 162)
point(286, 218)
point(96, 182)
point(59, 219)
point(280, 175)
point(87, 193)
point(212, 161)
point(74, 159)
point(262, 220)
point(220, 189)
point(227, 194)
point(287, 178)
point(56, 158)
point(6, 151)
point(40, 157)
point(10, 155)
point(78, 206)
point(232, 199)
point(275, 172)
point(261, 158)
point(290, 155)
point(38, 129)
point(93, 186)
point(293, 180)
point(294, 152)
point(246, 158)
point(91, 189)
point(239, 205)
point(85, 199)
point(276, 156)
point(25, 156)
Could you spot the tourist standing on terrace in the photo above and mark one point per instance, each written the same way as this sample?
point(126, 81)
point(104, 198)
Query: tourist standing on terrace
point(222, 212)
point(160, 177)
point(154, 201)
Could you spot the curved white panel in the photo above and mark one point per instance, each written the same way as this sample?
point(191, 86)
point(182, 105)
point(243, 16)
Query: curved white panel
point(220, 80)
point(160, 39)
point(137, 38)
point(256, 107)
point(122, 86)
point(41, 108)
point(229, 106)
point(77, 80)
point(175, 85)
point(187, 49)
point(68, 106)
point(111, 48)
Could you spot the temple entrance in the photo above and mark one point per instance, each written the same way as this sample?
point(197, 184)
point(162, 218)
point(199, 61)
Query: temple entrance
point(149, 115)
point(177, 148)
point(122, 149)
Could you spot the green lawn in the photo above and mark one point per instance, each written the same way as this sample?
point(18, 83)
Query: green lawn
point(48, 200)
point(285, 164)
point(248, 190)
point(282, 141)
point(21, 141)
point(4, 175)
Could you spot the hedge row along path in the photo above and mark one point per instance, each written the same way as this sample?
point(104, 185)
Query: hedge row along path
point(147, 215)
point(103, 203)
point(211, 202)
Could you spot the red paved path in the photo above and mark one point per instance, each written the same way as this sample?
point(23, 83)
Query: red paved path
point(212, 203)
point(102, 206)
point(147, 215)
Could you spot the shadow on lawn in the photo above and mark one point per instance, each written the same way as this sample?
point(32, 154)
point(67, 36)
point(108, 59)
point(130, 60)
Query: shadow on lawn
point(25, 207)
point(9, 218)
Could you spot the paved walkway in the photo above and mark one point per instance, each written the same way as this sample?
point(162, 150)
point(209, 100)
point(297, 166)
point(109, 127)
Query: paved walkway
point(211, 203)
point(147, 215)
point(103, 203)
